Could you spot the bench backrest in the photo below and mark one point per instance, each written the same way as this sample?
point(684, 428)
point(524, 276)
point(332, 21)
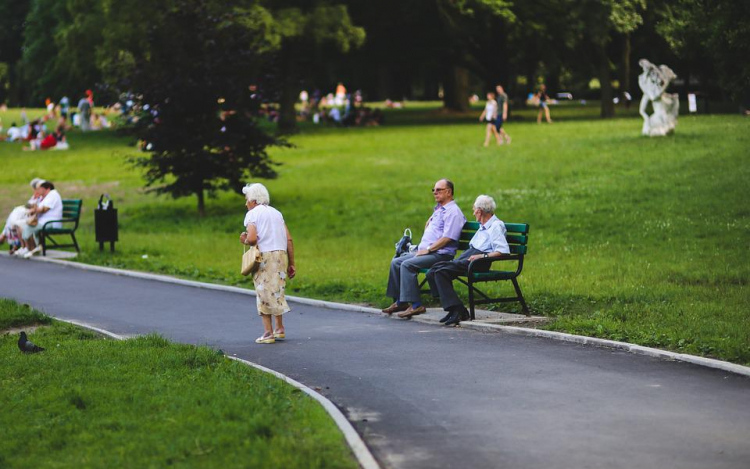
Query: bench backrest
point(517, 236)
point(72, 208)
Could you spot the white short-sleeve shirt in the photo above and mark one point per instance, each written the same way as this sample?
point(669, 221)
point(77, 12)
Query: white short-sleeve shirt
point(269, 223)
point(53, 201)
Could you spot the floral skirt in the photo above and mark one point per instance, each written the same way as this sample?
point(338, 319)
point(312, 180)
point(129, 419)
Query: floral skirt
point(270, 283)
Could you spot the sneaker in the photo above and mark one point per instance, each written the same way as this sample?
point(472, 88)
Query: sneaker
point(32, 252)
point(21, 252)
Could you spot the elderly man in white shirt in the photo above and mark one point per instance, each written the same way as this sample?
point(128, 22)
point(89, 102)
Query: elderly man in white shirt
point(489, 241)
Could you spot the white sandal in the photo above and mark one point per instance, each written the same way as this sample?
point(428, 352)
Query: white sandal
point(265, 339)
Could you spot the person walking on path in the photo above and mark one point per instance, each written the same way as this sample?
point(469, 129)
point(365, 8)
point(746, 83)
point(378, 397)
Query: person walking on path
point(502, 113)
point(265, 228)
point(439, 243)
point(489, 241)
point(490, 116)
point(542, 97)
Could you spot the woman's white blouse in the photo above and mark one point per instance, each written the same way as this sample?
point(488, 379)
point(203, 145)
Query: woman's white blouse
point(269, 224)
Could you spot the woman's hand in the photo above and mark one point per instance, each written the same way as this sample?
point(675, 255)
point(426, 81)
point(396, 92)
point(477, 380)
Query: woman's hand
point(291, 271)
point(243, 238)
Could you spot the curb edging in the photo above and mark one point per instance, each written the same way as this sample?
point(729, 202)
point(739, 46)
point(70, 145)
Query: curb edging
point(554, 335)
point(361, 452)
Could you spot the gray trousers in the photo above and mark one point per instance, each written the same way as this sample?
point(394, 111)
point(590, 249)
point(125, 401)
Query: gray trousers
point(402, 279)
point(442, 274)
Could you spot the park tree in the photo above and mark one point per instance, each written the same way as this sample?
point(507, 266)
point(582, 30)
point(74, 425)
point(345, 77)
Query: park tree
point(599, 23)
point(459, 21)
point(190, 63)
point(60, 39)
point(12, 22)
point(714, 33)
point(296, 29)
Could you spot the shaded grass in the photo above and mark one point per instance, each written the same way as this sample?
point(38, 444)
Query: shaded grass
point(631, 238)
point(146, 402)
point(20, 315)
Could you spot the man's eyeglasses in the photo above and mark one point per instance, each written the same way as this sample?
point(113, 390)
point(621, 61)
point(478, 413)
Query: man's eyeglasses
point(438, 190)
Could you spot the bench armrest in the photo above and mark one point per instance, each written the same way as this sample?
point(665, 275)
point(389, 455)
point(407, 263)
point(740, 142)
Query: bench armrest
point(476, 265)
point(62, 220)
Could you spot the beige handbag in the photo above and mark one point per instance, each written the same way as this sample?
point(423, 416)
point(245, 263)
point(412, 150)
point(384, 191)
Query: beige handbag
point(250, 260)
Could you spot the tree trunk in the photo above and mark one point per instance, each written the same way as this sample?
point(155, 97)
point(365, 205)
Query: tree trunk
point(288, 96)
point(201, 204)
point(625, 72)
point(456, 88)
point(605, 80)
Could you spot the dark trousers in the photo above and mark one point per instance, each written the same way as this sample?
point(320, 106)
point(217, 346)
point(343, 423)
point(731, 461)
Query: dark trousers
point(442, 274)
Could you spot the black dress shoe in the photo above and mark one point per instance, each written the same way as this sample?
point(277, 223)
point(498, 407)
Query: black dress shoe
point(446, 317)
point(453, 319)
point(457, 317)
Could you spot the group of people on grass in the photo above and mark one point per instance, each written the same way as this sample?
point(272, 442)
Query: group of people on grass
point(266, 229)
point(23, 226)
point(35, 134)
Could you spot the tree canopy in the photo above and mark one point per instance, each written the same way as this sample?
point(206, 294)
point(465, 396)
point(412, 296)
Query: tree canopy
point(418, 49)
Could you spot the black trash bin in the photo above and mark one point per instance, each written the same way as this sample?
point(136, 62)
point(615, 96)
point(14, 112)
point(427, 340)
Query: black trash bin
point(105, 222)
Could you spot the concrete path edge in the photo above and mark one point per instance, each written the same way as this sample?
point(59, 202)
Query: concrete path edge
point(578, 339)
point(355, 442)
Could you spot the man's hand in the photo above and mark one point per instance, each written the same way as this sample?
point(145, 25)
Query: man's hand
point(422, 252)
point(291, 271)
point(475, 257)
point(243, 238)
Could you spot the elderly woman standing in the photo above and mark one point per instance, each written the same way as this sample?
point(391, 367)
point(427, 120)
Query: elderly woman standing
point(267, 230)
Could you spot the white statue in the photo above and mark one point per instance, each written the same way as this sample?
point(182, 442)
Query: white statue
point(654, 82)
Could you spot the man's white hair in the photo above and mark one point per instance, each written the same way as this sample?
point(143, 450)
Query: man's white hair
point(35, 182)
point(486, 204)
point(257, 192)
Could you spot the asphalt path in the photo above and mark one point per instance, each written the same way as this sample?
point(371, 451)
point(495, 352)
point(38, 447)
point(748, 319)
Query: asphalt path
point(426, 396)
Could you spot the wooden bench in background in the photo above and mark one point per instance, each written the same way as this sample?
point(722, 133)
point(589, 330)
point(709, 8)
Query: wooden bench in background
point(481, 270)
point(69, 220)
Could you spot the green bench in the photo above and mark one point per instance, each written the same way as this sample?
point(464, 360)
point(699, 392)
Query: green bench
point(481, 270)
point(71, 215)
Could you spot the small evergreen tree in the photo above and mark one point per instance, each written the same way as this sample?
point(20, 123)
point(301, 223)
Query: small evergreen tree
point(196, 118)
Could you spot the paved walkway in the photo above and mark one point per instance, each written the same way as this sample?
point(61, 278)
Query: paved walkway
point(426, 396)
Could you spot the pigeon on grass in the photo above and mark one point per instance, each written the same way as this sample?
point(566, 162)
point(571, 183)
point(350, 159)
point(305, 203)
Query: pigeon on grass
point(27, 346)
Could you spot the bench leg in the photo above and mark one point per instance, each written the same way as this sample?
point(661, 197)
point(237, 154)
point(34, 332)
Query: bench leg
point(520, 297)
point(75, 243)
point(471, 300)
point(43, 240)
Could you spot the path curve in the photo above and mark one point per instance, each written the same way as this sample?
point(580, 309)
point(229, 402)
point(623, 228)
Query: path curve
point(428, 396)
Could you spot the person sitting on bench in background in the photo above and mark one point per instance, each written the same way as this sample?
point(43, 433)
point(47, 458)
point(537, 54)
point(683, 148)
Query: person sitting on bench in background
point(489, 241)
point(50, 208)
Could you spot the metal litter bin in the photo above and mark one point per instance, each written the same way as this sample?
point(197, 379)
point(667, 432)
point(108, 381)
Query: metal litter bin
point(105, 222)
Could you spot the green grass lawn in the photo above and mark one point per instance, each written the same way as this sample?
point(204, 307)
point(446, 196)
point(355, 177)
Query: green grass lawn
point(146, 402)
point(632, 238)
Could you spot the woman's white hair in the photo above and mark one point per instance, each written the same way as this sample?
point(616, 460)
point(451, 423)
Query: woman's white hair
point(486, 204)
point(257, 192)
point(35, 182)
